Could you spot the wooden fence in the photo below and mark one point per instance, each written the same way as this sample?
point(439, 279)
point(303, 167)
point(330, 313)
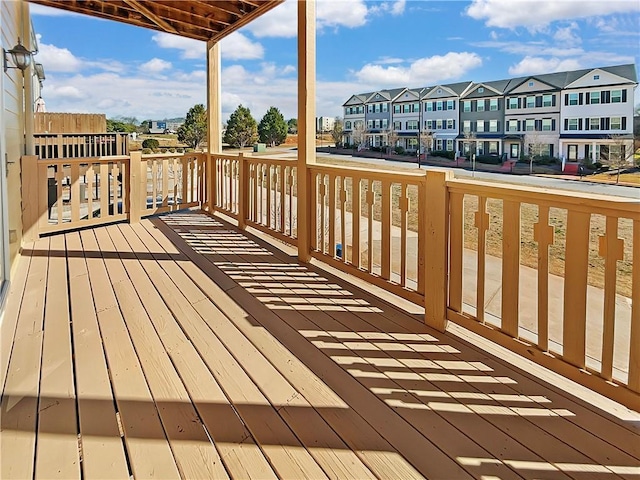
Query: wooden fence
point(80, 145)
point(46, 122)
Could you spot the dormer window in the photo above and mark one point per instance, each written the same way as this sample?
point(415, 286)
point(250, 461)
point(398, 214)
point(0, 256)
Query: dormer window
point(481, 90)
point(439, 90)
point(596, 77)
point(531, 84)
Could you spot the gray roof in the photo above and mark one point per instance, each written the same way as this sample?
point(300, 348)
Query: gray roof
point(558, 80)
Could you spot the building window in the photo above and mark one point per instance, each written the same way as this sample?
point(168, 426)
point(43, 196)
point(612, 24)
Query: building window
point(512, 125)
point(493, 147)
point(450, 105)
point(428, 124)
point(573, 99)
point(480, 105)
point(397, 125)
point(594, 123)
point(369, 124)
point(616, 96)
point(493, 104)
point(347, 125)
point(369, 108)
point(450, 124)
point(397, 108)
point(531, 102)
point(530, 125)
point(438, 124)
point(439, 105)
point(596, 77)
point(466, 106)
point(480, 126)
point(546, 124)
point(594, 97)
point(615, 123)
point(547, 100)
point(385, 107)
point(429, 107)
point(412, 143)
point(415, 107)
point(412, 125)
point(493, 125)
point(450, 144)
point(466, 126)
point(439, 144)
point(513, 103)
point(385, 123)
point(406, 108)
point(481, 90)
point(573, 124)
point(531, 84)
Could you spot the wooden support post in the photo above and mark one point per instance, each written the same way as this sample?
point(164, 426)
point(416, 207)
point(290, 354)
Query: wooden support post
point(436, 251)
point(214, 119)
point(136, 182)
point(30, 198)
point(306, 122)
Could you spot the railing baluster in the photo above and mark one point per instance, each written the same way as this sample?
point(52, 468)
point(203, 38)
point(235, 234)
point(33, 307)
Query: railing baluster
point(510, 267)
point(356, 211)
point(313, 184)
point(456, 250)
point(269, 222)
point(74, 192)
point(575, 288)
point(165, 182)
point(612, 249)
point(544, 235)
point(370, 202)
point(104, 190)
point(332, 215)
point(404, 210)
point(386, 227)
point(343, 214)
point(482, 224)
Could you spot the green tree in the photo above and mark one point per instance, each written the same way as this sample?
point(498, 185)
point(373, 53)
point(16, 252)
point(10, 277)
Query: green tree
point(292, 125)
point(115, 125)
point(272, 128)
point(242, 128)
point(336, 133)
point(194, 129)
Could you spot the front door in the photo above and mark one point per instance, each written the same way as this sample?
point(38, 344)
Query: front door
point(572, 153)
point(515, 150)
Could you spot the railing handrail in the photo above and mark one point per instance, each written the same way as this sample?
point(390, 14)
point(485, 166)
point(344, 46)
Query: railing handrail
point(80, 160)
point(379, 174)
point(626, 207)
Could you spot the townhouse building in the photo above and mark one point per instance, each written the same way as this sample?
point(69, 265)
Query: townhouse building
point(440, 114)
point(406, 119)
point(354, 117)
point(532, 116)
point(482, 118)
point(577, 115)
point(597, 113)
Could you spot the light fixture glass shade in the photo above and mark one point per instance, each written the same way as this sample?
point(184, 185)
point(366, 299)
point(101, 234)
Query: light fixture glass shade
point(39, 71)
point(21, 56)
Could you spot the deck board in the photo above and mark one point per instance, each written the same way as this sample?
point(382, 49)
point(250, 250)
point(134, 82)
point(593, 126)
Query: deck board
point(181, 347)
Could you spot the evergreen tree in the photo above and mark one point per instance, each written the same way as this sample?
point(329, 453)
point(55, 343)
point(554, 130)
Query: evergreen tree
point(194, 129)
point(242, 129)
point(273, 128)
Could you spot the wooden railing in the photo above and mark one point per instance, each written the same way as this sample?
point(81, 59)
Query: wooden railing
point(80, 145)
point(69, 193)
point(258, 192)
point(367, 223)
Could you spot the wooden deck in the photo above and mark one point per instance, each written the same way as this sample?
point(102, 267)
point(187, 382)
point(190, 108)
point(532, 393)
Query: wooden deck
point(181, 347)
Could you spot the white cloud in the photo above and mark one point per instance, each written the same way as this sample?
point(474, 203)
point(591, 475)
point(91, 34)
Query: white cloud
point(68, 92)
point(190, 48)
point(536, 15)
point(393, 8)
point(567, 35)
point(531, 48)
point(533, 65)
point(57, 59)
point(239, 47)
point(155, 65)
point(424, 71)
point(282, 20)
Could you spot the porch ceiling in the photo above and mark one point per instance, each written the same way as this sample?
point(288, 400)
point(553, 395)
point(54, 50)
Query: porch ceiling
point(200, 20)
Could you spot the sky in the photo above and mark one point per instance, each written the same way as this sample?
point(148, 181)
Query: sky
point(100, 66)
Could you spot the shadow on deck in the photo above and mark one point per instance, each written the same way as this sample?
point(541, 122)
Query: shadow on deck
point(183, 347)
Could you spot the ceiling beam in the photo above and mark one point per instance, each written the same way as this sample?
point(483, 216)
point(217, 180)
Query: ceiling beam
point(151, 16)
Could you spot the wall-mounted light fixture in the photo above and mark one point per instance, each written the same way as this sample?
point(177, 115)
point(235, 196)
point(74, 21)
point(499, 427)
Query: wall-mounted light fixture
point(39, 71)
point(20, 56)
